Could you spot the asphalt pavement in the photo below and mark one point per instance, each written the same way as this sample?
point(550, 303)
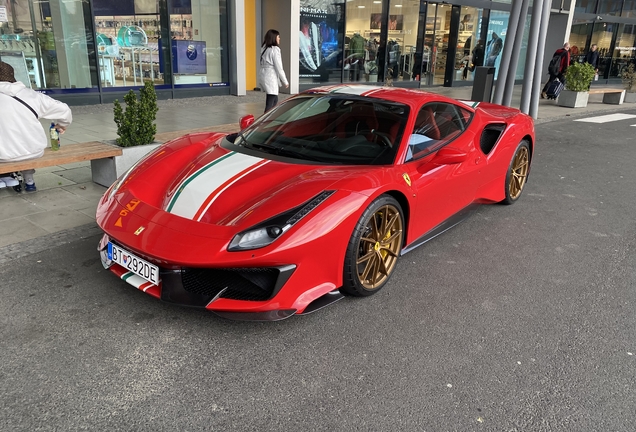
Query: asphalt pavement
point(521, 318)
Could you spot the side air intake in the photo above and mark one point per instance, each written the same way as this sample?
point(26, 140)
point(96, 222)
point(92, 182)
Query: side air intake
point(490, 136)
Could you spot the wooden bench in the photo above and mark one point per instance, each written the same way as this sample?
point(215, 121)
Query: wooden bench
point(610, 95)
point(68, 153)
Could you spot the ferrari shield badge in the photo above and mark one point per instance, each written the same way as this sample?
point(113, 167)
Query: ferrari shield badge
point(139, 230)
point(407, 179)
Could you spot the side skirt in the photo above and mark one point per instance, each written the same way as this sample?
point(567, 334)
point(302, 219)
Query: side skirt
point(444, 226)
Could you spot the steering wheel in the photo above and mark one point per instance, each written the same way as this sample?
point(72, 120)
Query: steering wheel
point(384, 137)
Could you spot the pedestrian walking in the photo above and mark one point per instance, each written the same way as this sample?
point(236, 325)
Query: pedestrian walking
point(592, 57)
point(271, 75)
point(557, 67)
point(21, 134)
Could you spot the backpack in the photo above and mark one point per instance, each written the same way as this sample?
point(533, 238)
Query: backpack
point(555, 64)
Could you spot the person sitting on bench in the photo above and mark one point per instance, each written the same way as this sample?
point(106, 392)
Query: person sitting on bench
point(21, 134)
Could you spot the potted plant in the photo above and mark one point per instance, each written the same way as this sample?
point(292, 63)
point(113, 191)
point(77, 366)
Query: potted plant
point(629, 81)
point(136, 130)
point(578, 78)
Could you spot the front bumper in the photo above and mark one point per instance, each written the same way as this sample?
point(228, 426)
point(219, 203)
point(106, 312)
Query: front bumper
point(203, 287)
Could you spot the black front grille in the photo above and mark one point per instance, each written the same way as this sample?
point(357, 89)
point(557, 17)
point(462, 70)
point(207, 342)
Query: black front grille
point(242, 283)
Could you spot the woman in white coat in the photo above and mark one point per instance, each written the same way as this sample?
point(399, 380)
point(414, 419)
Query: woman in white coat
point(271, 75)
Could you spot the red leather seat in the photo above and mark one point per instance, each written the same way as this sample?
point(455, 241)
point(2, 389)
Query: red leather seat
point(360, 118)
point(426, 124)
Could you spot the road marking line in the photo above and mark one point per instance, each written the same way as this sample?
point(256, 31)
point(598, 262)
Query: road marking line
point(607, 118)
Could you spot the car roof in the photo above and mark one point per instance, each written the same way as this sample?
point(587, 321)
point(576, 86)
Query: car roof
point(394, 94)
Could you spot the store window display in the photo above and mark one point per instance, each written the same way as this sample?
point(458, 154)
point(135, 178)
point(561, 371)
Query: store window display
point(469, 54)
point(624, 50)
point(48, 43)
point(602, 36)
point(370, 59)
point(131, 49)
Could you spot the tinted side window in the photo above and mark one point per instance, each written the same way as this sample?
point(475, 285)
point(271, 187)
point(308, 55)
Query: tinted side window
point(436, 125)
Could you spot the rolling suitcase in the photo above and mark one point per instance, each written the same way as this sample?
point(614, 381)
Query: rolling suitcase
point(554, 89)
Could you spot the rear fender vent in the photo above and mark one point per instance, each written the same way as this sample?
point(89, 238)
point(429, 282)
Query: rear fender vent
point(490, 136)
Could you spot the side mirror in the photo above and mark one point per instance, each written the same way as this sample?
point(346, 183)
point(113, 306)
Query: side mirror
point(449, 156)
point(246, 121)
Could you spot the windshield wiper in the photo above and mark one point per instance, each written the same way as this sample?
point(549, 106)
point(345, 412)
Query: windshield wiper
point(245, 141)
point(285, 151)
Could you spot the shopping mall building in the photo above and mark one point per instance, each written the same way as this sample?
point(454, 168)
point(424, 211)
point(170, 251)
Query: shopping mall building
point(92, 51)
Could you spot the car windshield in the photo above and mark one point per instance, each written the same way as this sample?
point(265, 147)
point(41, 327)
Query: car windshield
point(331, 129)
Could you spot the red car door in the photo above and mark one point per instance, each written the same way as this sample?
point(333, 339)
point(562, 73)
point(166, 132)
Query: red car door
point(442, 164)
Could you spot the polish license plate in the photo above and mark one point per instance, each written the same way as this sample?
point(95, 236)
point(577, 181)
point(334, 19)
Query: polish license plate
point(133, 263)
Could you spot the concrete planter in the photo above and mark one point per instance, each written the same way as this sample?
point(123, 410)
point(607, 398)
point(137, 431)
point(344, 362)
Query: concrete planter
point(630, 97)
point(106, 171)
point(572, 99)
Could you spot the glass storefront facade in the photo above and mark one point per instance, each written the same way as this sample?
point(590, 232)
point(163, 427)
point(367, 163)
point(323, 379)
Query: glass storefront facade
point(108, 46)
point(611, 25)
point(105, 47)
point(410, 44)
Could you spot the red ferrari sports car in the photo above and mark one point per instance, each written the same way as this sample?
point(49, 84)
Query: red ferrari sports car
point(317, 198)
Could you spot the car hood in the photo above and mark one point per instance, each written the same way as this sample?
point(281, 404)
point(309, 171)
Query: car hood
point(232, 188)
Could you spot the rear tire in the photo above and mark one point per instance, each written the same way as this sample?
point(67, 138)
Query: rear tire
point(517, 175)
point(374, 248)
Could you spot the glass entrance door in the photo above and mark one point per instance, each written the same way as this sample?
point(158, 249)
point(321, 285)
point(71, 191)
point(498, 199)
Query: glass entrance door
point(435, 47)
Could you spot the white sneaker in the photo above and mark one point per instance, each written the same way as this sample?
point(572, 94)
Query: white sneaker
point(9, 181)
point(2, 184)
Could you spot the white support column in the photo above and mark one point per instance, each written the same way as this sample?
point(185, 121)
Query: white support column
point(237, 48)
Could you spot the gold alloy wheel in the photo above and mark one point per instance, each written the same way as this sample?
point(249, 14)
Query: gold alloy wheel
point(379, 247)
point(518, 172)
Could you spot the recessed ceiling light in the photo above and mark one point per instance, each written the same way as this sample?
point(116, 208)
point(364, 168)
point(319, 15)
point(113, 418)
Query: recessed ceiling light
point(377, 1)
point(360, 7)
point(398, 5)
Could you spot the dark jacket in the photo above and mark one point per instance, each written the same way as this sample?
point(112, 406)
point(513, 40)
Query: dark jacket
point(592, 58)
point(478, 55)
point(565, 59)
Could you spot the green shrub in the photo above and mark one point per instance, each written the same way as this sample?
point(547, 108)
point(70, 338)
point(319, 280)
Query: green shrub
point(579, 76)
point(629, 78)
point(136, 124)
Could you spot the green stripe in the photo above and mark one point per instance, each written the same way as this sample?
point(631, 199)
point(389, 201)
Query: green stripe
point(195, 175)
point(126, 276)
point(475, 104)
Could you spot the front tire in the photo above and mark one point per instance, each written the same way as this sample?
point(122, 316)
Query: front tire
point(517, 175)
point(374, 248)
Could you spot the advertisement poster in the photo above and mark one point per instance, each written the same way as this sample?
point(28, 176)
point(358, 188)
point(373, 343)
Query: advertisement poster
point(321, 37)
point(189, 57)
point(497, 29)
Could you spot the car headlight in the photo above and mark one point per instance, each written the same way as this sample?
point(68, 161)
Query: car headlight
point(266, 232)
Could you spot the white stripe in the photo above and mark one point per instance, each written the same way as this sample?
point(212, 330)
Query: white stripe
point(223, 190)
point(356, 90)
point(136, 281)
point(196, 192)
point(606, 118)
point(471, 104)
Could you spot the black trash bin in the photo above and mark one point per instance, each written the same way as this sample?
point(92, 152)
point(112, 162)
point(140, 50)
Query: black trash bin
point(482, 84)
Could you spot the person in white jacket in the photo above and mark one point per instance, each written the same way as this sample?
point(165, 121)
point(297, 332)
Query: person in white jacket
point(21, 134)
point(271, 75)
